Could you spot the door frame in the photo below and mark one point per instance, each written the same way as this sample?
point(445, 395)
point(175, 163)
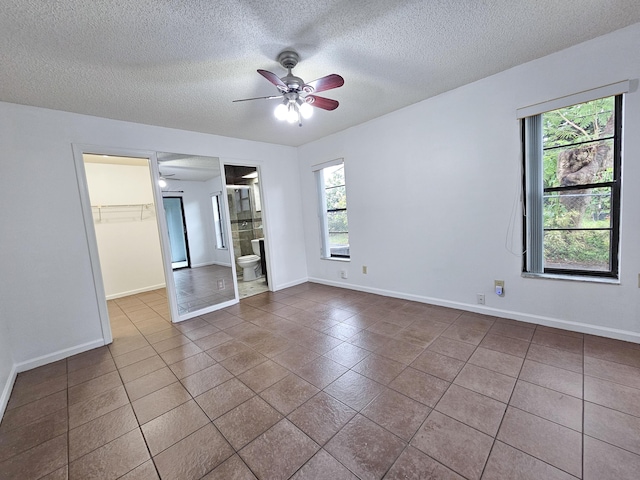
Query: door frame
point(184, 230)
point(265, 214)
point(92, 243)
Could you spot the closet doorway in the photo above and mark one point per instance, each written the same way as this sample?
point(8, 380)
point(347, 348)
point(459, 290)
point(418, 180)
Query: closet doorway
point(126, 228)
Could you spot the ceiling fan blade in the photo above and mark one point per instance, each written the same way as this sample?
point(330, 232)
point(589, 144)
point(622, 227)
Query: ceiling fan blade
point(325, 83)
point(321, 102)
point(271, 97)
point(273, 78)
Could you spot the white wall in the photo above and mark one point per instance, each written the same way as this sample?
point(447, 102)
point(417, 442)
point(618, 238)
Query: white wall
point(48, 297)
point(431, 191)
point(128, 242)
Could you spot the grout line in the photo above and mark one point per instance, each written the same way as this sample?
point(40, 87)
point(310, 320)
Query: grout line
point(552, 389)
point(583, 411)
point(613, 445)
point(131, 403)
point(495, 439)
point(68, 421)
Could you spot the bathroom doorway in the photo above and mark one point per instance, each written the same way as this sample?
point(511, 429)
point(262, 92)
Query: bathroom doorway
point(246, 217)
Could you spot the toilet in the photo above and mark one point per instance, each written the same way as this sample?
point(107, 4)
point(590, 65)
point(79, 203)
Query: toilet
point(250, 264)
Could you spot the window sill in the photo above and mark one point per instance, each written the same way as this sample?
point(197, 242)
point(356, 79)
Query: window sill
point(336, 259)
point(572, 278)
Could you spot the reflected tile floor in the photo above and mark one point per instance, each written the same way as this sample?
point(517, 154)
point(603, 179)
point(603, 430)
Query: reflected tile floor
point(316, 382)
point(200, 287)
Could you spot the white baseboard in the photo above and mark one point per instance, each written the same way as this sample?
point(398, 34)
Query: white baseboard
point(580, 327)
point(59, 355)
point(133, 292)
point(38, 362)
point(300, 281)
point(212, 308)
point(206, 264)
point(6, 390)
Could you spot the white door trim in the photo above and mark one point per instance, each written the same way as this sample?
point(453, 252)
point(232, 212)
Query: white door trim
point(265, 214)
point(92, 244)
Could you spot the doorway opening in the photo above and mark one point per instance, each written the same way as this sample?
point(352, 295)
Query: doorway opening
point(247, 229)
point(124, 217)
point(119, 209)
point(177, 229)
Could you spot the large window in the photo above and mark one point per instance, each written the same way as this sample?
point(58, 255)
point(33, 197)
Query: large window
point(334, 226)
point(572, 182)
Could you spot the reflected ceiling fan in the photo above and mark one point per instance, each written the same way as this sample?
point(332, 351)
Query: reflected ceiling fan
point(298, 97)
point(162, 180)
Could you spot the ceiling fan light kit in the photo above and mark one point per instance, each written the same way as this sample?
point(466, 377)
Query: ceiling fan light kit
point(297, 96)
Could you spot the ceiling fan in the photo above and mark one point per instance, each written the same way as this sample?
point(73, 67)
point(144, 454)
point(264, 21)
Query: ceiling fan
point(297, 96)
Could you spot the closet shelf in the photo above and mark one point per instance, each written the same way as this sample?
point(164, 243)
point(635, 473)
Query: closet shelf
point(123, 213)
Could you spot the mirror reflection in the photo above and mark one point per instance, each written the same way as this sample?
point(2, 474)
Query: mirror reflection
point(192, 189)
point(247, 229)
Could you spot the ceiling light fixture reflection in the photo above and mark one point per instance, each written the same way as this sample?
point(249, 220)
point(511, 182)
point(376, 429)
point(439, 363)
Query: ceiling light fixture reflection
point(162, 182)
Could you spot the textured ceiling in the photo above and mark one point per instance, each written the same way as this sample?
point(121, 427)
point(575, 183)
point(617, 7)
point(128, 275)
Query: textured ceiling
point(188, 167)
point(180, 63)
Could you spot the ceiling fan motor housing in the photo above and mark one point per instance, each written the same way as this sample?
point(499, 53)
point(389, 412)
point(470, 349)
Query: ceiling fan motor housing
point(288, 59)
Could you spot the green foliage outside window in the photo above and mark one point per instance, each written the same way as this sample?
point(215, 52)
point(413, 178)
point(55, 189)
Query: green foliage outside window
point(578, 150)
point(336, 198)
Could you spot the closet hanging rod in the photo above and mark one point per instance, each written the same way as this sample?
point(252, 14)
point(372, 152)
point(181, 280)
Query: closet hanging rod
point(136, 205)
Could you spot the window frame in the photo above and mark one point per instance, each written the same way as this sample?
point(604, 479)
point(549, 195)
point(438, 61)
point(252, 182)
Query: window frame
point(533, 256)
point(323, 211)
point(219, 229)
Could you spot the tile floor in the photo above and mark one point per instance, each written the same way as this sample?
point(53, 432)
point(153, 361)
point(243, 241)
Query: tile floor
point(315, 383)
point(254, 287)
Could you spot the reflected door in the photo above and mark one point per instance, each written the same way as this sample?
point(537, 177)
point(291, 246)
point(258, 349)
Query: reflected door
point(177, 229)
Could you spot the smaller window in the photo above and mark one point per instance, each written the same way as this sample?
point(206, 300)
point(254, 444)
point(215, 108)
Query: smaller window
point(218, 224)
point(334, 226)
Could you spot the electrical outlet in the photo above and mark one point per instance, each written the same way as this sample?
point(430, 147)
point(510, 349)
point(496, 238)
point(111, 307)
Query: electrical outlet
point(498, 287)
point(364, 269)
point(221, 284)
point(480, 298)
point(343, 274)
